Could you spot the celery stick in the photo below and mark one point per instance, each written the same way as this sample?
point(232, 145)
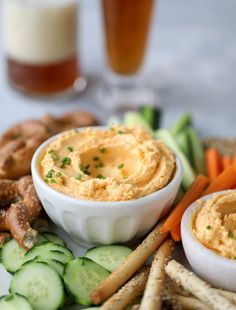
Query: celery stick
point(182, 140)
point(151, 115)
point(188, 173)
point(197, 152)
point(181, 125)
point(134, 118)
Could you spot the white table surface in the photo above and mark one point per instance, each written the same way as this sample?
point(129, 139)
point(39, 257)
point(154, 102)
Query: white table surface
point(192, 54)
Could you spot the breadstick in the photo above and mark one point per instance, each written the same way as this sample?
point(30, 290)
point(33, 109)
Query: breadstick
point(132, 264)
point(135, 307)
point(198, 287)
point(129, 292)
point(229, 295)
point(191, 303)
point(174, 288)
point(155, 284)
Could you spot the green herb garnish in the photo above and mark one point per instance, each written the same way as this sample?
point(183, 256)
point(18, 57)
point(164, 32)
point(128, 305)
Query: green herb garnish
point(208, 227)
point(95, 158)
point(65, 161)
point(46, 180)
point(120, 166)
point(99, 165)
point(120, 132)
point(100, 176)
point(70, 149)
point(102, 150)
point(79, 177)
point(54, 156)
point(53, 181)
point(49, 174)
point(58, 174)
point(230, 235)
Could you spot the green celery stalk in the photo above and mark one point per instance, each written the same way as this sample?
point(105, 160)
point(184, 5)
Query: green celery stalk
point(134, 118)
point(181, 125)
point(188, 174)
point(196, 151)
point(182, 140)
point(151, 115)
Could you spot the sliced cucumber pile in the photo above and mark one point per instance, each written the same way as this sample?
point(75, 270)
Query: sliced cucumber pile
point(108, 256)
point(81, 277)
point(53, 238)
point(40, 284)
point(14, 302)
point(12, 255)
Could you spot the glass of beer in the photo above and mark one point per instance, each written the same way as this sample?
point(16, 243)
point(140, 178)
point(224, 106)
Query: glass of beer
point(40, 38)
point(126, 24)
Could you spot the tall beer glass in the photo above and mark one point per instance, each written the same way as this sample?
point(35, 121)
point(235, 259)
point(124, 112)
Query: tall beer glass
point(40, 39)
point(126, 25)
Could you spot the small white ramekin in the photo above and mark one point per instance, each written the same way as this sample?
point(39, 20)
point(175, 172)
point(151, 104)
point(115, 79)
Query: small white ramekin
point(215, 269)
point(94, 222)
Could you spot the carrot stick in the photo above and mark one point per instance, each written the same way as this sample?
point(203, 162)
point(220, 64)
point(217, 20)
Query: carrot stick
point(194, 192)
point(213, 163)
point(226, 162)
point(226, 180)
point(175, 233)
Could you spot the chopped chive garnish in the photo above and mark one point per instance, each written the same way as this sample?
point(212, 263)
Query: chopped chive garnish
point(54, 156)
point(120, 166)
point(53, 181)
point(87, 167)
point(46, 180)
point(230, 235)
point(87, 172)
point(65, 161)
point(100, 176)
point(70, 149)
point(59, 174)
point(79, 177)
point(120, 132)
point(102, 150)
point(99, 165)
point(208, 227)
point(95, 158)
point(49, 174)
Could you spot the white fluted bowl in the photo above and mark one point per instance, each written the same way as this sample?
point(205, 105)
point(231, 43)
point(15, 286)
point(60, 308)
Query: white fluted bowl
point(94, 222)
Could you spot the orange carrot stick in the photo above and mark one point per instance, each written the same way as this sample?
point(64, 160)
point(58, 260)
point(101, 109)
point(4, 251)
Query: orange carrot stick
point(226, 162)
point(213, 163)
point(175, 233)
point(194, 192)
point(226, 180)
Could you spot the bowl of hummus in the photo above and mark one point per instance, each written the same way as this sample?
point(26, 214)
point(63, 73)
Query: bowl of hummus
point(106, 185)
point(208, 230)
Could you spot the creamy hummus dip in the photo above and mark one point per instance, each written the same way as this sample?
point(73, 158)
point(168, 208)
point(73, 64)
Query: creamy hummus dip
point(115, 164)
point(215, 224)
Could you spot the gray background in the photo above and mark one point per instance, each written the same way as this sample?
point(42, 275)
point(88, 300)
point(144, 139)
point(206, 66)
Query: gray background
point(192, 56)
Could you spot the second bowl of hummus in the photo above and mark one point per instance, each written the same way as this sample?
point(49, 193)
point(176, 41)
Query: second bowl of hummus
point(106, 185)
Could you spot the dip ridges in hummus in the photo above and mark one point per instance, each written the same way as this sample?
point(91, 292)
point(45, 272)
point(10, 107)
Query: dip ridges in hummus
point(215, 224)
point(115, 164)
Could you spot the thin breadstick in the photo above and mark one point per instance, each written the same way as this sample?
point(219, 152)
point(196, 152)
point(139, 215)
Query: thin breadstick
point(135, 307)
point(191, 303)
point(129, 292)
point(174, 288)
point(198, 287)
point(155, 284)
point(132, 264)
point(229, 295)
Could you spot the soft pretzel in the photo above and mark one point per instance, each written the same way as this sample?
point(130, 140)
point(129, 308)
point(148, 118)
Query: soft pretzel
point(18, 144)
point(23, 210)
point(69, 121)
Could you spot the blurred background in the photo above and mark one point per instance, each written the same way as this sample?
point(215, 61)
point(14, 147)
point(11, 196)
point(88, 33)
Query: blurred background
point(191, 57)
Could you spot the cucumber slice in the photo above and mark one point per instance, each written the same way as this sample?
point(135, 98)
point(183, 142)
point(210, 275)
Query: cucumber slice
point(55, 264)
point(14, 302)
point(49, 250)
point(81, 277)
point(40, 284)
point(53, 238)
point(188, 173)
point(12, 255)
point(41, 239)
point(109, 257)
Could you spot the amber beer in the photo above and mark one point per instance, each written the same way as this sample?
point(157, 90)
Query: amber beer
point(126, 29)
point(41, 45)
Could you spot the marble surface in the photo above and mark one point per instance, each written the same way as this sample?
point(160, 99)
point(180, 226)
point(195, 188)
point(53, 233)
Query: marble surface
point(192, 55)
